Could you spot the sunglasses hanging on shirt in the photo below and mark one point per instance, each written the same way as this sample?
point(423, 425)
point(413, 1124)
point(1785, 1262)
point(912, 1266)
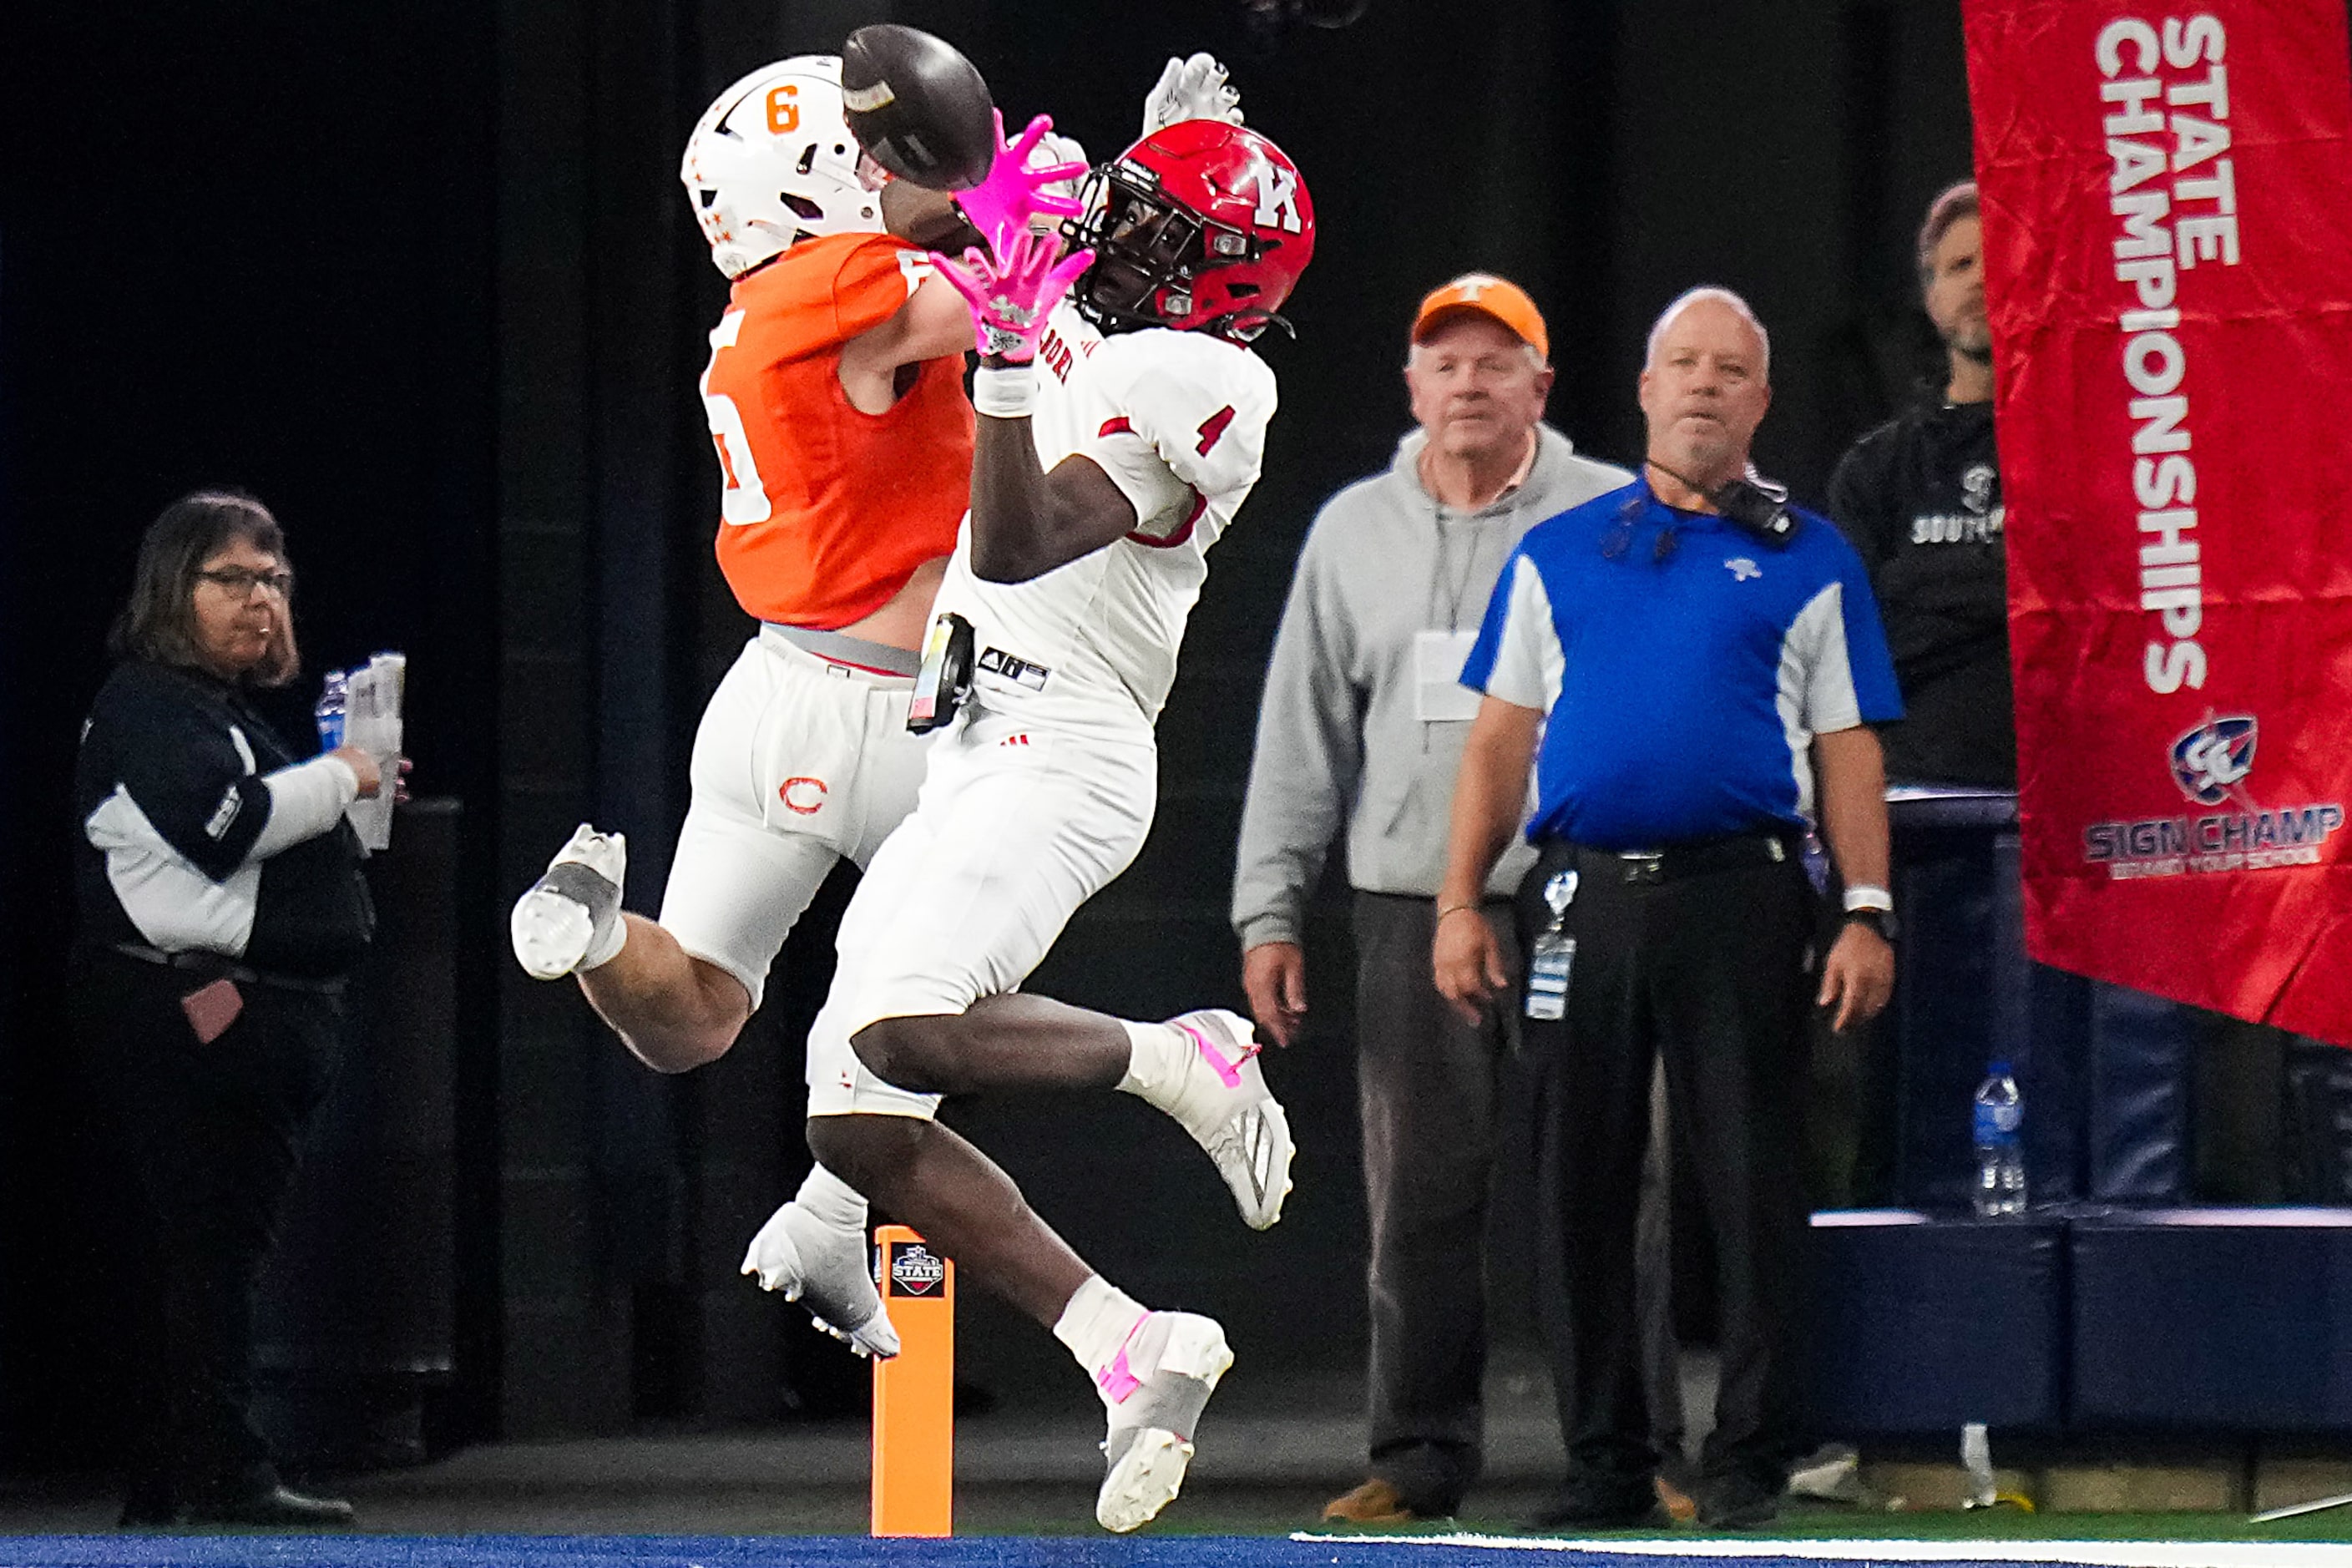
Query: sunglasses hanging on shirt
point(1620, 537)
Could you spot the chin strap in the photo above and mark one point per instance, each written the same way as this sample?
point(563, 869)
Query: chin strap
point(1245, 326)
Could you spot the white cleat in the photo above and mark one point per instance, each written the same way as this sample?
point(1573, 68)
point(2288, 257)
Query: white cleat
point(1154, 1412)
point(829, 1272)
point(571, 911)
point(1224, 1104)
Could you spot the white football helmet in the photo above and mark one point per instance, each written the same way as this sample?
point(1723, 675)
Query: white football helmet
point(772, 163)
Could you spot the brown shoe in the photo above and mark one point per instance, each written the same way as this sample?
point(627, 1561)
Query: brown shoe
point(1375, 1502)
point(1678, 1503)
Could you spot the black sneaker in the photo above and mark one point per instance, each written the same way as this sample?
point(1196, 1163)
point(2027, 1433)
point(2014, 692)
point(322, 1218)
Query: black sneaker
point(1584, 1505)
point(275, 1506)
point(1740, 1504)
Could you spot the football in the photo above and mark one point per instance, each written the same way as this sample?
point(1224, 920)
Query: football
point(917, 106)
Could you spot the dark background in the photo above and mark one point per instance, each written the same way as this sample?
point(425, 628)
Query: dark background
point(421, 275)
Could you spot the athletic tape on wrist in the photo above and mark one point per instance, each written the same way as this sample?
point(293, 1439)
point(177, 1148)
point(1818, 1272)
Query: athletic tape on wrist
point(1006, 393)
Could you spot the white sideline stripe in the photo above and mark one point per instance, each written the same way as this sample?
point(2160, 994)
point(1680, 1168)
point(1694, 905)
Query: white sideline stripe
point(2098, 1553)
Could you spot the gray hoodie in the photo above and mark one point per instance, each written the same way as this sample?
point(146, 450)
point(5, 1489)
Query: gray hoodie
point(1338, 733)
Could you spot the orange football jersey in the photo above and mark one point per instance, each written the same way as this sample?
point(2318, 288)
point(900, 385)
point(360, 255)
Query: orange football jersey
point(828, 510)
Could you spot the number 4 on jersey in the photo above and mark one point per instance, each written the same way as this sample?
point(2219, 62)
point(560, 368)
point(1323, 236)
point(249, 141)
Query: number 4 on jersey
point(1213, 427)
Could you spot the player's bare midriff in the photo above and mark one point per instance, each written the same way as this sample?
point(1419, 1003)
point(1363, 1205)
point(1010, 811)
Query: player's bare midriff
point(902, 622)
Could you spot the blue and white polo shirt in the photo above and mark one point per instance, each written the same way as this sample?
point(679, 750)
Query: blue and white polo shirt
point(1682, 693)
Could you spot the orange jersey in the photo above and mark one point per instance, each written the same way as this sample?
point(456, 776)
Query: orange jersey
point(827, 511)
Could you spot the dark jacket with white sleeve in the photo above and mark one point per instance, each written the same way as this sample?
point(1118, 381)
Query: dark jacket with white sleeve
point(202, 832)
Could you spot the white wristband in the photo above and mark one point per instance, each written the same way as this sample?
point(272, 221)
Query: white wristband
point(1008, 392)
point(1862, 896)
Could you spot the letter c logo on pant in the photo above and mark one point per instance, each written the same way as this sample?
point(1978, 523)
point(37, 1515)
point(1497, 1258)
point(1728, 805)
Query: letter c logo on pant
point(803, 795)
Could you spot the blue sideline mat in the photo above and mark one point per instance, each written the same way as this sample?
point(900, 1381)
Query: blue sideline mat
point(1156, 1552)
point(1552, 1551)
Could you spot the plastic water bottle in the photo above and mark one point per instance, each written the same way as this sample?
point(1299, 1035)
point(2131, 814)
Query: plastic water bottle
point(2000, 1149)
point(334, 706)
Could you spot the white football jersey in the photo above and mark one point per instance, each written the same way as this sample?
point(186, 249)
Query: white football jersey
point(1178, 421)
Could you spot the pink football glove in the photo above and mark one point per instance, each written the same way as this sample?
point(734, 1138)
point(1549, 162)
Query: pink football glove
point(1011, 195)
point(1010, 297)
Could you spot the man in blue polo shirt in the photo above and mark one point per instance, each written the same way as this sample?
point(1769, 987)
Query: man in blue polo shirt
point(1679, 660)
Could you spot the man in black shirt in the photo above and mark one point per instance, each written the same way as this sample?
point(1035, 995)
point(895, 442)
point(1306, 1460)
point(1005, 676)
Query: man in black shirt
point(1920, 499)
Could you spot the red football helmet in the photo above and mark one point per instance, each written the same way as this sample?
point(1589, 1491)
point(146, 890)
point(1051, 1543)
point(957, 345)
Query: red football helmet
point(1200, 226)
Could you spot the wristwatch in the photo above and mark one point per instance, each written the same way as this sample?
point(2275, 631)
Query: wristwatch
point(1880, 920)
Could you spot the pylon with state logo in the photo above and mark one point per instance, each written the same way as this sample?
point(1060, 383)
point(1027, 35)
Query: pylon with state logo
point(914, 1391)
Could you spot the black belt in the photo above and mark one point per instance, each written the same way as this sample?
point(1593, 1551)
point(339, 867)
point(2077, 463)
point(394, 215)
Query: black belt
point(1671, 862)
point(214, 966)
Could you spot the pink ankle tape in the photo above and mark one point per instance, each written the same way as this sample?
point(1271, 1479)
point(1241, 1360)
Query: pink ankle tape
point(1227, 1069)
point(1117, 1380)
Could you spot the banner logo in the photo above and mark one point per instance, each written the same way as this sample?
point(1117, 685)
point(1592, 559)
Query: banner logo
point(2210, 759)
point(2209, 764)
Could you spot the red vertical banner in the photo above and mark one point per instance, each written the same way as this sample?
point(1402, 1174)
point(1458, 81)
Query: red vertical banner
point(2167, 199)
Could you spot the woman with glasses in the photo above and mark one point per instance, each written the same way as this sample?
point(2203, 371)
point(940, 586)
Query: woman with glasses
point(221, 907)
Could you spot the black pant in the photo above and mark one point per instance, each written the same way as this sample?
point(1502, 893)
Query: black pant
point(1708, 969)
point(1445, 1108)
point(212, 1132)
point(1427, 1092)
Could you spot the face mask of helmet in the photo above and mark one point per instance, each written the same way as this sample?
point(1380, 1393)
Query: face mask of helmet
point(1151, 256)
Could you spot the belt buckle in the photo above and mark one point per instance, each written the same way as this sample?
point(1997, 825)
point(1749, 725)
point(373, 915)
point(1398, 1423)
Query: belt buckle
point(1643, 865)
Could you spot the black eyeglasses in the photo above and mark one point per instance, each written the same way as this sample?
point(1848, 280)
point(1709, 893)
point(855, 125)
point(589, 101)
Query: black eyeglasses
point(241, 581)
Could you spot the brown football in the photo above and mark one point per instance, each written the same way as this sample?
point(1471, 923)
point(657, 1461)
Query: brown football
point(917, 106)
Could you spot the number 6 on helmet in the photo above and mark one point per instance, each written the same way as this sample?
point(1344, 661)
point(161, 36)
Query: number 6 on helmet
point(772, 163)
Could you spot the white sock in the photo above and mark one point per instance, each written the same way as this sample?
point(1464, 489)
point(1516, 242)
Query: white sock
point(830, 1201)
point(1159, 1054)
point(1097, 1322)
point(603, 953)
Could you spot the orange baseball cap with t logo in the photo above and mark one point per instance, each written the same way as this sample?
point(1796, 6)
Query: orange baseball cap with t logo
point(1488, 295)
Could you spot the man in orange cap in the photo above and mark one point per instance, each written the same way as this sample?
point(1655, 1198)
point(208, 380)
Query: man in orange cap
point(1362, 729)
